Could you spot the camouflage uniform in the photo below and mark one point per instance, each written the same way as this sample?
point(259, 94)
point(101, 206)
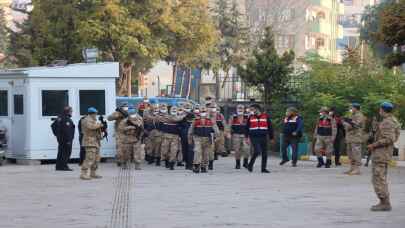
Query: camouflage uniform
point(118, 117)
point(202, 134)
point(325, 134)
point(354, 140)
point(131, 129)
point(91, 142)
point(387, 134)
point(153, 139)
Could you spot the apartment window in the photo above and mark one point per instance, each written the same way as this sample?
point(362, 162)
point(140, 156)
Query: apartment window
point(3, 103)
point(53, 102)
point(285, 41)
point(319, 43)
point(92, 98)
point(18, 104)
point(286, 15)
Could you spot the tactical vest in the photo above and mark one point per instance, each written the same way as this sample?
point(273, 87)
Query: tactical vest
point(203, 129)
point(237, 126)
point(324, 127)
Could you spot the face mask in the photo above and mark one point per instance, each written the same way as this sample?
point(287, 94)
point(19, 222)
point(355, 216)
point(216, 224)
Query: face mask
point(331, 113)
point(187, 110)
point(173, 113)
point(239, 112)
point(351, 110)
point(125, 109)
point(132, 116)
point(203, 114)
point(214, 110)
point(164, 111)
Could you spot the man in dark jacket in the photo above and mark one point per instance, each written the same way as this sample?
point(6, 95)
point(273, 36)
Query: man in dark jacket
point(292, 130)
point(64, 130)
point(259, 129)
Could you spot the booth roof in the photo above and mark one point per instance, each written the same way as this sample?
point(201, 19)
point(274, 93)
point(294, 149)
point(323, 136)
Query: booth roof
point(89, 70)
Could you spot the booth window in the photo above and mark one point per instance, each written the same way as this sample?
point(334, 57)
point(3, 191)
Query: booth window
point(3, 103)
point(18, 104)
point(92, 98)
point(53, 102)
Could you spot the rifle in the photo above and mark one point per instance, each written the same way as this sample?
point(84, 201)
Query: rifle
point(104, 128)
point(370, 140)
point(125, 114)
point(138, 129)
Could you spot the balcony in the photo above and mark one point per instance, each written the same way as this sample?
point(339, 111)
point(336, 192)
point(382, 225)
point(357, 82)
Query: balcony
point(321, 26)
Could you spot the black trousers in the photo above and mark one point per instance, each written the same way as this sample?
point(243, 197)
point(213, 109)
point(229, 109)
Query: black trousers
point(259, 145)
point(64, 152)
point(293, 142)
point(336, 149)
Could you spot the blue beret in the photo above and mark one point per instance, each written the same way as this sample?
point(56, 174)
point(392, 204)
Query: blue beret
point(92, 110)
point(387, 106)
point(356, 105)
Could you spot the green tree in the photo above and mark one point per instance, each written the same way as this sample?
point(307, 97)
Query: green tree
point(4, 38)
point(268, 71)
point(50, 32)
point(232, 49)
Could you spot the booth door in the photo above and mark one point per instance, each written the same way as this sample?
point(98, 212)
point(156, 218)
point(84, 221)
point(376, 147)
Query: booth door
point(18, 112)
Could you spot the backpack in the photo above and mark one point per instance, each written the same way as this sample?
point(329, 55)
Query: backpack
point(55, 127)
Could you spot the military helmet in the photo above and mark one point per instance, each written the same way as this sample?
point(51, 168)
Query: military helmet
point(387, 106)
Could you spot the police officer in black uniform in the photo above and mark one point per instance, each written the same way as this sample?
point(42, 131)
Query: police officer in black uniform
point(64, 130)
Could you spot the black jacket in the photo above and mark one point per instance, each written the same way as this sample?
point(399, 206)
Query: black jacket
point(65, 129)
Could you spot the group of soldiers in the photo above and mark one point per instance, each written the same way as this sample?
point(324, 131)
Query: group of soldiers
point(182, 135)
point(196, 136)
point(383, 134)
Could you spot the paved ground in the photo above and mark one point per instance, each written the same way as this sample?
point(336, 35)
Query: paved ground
point(37, 196)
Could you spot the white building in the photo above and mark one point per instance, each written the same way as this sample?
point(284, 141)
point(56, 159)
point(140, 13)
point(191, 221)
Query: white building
point(31, 97)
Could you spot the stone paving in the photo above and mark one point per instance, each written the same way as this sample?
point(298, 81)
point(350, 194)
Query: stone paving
point(37, 196)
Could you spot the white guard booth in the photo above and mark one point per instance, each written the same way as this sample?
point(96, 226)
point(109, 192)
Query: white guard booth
point(31, 97)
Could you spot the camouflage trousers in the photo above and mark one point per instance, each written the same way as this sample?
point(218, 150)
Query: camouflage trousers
point(354, 153)
point(133, 151)
point(92, 158)
point(203, 151)
point(220, 143)
point(152, 143)
point(170, 147)
point(240, 147)
point(118, 147)
point(379, 179)
point(324, 144)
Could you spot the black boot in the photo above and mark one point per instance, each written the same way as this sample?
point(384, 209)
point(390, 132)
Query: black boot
point(245, 162)
point(167, 164)
point(210, 165)
point(180, 164)
point(216, 156)
point(337, 160)
point(171, 165)
point(196, 169)
point(157, 161)
point(328, 163)
point(320, 162)
point(151, 160)
point(147, 158)
point(203, 169)
point(237, 166)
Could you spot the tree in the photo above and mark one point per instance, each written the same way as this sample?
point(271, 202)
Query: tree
point(3, 37)
point(268, 71)
point(50, 32)
point(383, 28)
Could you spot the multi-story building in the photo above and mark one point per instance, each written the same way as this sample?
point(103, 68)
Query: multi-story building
point(303, 26)
point(351, 22)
